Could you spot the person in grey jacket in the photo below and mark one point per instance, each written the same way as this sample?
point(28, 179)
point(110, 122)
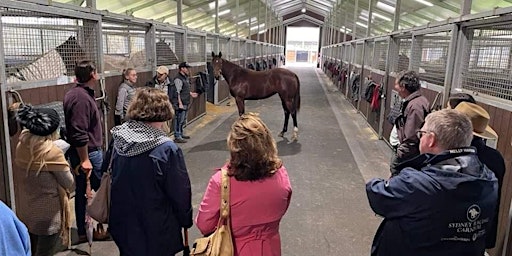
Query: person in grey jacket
point(125, 95)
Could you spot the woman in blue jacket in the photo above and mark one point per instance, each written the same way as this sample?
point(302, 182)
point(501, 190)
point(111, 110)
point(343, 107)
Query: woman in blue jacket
point(151, 195)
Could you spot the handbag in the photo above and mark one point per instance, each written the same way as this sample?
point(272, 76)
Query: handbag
point(99, 208)
point(220, 242)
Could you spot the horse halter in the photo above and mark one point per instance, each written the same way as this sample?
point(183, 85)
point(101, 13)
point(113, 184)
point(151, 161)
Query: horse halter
point(219, 64)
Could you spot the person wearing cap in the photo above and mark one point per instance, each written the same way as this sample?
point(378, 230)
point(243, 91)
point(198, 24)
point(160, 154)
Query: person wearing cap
point(443, 202)
point(180, 95)
point(161, 81)
point(85, 134)
point(491, 157)
point(47, 180)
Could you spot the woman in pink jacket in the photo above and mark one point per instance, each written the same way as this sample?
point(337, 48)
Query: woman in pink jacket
point(260, 190)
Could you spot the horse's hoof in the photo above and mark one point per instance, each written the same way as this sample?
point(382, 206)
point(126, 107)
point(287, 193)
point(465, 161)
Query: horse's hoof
point(281, 134)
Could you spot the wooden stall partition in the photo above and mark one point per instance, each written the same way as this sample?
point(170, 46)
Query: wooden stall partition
point(501, 121)
point(374, 115)
point(34, 96)
point(197, 105)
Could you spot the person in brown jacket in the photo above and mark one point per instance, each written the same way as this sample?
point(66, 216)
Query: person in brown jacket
point(412, 116)
point(47, 181)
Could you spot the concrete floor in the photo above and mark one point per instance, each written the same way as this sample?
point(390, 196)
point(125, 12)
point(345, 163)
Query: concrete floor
point(328, 166)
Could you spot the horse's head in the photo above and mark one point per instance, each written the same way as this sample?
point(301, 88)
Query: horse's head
point(217, 64)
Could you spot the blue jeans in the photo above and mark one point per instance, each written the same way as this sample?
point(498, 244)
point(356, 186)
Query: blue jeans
point(179, 122)
point(96, 158)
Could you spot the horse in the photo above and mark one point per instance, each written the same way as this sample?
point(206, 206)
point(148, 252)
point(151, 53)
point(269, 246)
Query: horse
point(245, 84)
point(54, 63)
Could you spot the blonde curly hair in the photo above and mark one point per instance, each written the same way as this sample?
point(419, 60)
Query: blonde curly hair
point(253, 150)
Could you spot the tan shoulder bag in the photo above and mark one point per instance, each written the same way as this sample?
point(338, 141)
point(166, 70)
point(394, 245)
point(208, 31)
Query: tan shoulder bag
point(220, 242)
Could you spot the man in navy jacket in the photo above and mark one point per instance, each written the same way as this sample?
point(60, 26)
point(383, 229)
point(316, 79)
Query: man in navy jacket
point(442, 202)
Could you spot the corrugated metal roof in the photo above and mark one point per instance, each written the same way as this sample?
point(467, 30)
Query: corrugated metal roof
point(199, 14)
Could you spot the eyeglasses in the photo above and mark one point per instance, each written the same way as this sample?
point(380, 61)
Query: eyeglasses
point(420, 133)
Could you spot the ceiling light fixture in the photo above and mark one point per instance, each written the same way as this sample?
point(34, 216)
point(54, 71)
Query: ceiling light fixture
point(386, 7)
point(222, 13)
point(303, 10)
point(362, 24)
point(427, 3)
point(381, 16)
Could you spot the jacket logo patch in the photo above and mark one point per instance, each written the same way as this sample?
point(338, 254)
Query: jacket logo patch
point(473, 212)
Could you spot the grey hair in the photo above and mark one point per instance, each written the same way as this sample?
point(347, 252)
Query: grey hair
point(452, 128)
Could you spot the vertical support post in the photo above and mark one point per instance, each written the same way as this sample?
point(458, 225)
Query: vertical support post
point(450, 64)
point(90, 4)
point(179, 14)
point(392, 52)
point(370, 18)
point(465, 7)
point(266, 22)
point(185, 45)
point(354, 30)
point(396, 18)
point(258, 23)
point(462, 54)
point(216, 16)
point(150, 42)
point(5, 152)
point(345, 30)
point(250, 21)
point(237, 18)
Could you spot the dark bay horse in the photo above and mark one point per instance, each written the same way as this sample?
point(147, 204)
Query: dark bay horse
point(245, 84)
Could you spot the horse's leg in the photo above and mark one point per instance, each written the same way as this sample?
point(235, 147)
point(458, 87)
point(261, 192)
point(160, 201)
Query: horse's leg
point(286, 118)
point(291, 107)
point(241, 105)
point(295, 135)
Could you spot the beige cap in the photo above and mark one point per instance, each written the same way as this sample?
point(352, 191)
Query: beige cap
point(162, 70)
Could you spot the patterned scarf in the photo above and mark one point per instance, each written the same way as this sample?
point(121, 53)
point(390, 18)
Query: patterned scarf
point(133, 138)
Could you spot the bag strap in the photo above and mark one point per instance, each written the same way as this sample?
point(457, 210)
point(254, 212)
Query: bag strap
point(224, 195)
point(109, 168)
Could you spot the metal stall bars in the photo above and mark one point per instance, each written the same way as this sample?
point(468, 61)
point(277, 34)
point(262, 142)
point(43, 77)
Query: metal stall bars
point(429, 56)
point(124, 46)
point(224, 47)
point(366, 86)
point(169, 47)
point(234, 45)
point(347, 60)
point(210, 47)
point(251, 51)
point(196, 57)
point(485, 72)
point(242, 52)
point(380, 55)
point(40, 47)
point(486, 68)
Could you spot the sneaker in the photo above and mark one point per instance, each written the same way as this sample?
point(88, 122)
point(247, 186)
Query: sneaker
point(180, 140)
point(185, 137)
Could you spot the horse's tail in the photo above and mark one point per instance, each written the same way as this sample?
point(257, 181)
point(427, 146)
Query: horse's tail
point(297, 95)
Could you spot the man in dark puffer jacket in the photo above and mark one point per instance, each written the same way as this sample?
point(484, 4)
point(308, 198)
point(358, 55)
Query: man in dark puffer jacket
point(440, 203)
